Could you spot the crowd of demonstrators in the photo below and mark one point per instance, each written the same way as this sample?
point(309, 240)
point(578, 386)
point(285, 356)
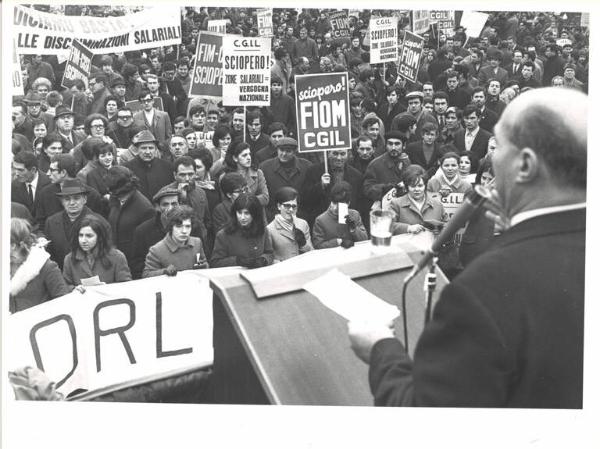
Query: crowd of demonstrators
point(103, 171)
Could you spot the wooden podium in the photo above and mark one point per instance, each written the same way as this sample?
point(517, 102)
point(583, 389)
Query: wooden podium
point(288, 348)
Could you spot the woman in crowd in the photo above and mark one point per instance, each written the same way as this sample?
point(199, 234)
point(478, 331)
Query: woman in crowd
point(221, 141)
point(464, 168)
point(203, 162)
point(111, 106)
point(289, 234)
point(479, 234)
point(92, 254)
point(450, 180)
point(244, 241)
point(557, 81)
point(98, 177)
point(34, 278)
point(239, 159)
point(417, 210)
point(328, 232)
point(51, 146)
point(40, 130)
point(178, 250)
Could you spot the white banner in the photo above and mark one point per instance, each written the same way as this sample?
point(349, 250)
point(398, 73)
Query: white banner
point(383, 34)
point(420, 21)
point(38, 32)
point(246, 71)
point(217, 26)
point(264, 20)
point(116, 333)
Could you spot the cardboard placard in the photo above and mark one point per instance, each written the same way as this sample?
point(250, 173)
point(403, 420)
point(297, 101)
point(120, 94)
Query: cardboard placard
point(207, 76)
point(78, 66)
point(410, 56)
point(383, 34)
point(323, 111)
point(246, 71)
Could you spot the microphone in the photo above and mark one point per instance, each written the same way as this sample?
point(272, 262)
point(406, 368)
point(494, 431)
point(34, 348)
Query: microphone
point(458, 220)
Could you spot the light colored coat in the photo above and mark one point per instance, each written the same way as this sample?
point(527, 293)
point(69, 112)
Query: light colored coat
point(283, 241)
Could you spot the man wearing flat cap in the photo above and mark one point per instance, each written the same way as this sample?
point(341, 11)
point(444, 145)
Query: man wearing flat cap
point(152, 230)
point(152, 171)
point(64, 121)
point(284, 170)
point(59, 226)
point(415, 108)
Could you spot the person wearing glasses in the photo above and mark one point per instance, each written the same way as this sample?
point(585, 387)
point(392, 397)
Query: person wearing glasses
point(155, 121)
point(122, 131)
point(290, 235)
point(94, 125)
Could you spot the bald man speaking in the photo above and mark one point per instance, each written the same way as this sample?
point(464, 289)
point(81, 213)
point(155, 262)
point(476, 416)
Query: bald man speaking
point(507, 331)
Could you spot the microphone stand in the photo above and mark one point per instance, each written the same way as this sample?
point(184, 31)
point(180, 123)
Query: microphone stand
point(430, 284)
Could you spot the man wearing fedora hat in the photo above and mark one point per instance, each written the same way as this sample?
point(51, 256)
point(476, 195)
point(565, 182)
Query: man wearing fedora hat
point(62, 168)
point(64, 120)
point(152, 171)
point(59, 227)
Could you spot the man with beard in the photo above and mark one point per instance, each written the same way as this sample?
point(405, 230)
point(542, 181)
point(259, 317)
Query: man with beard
point(152, 172)
point(385, 171)
point(314, 195)
point(284, 170)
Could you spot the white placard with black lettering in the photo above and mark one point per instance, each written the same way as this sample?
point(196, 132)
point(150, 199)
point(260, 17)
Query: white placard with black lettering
point(246, 71)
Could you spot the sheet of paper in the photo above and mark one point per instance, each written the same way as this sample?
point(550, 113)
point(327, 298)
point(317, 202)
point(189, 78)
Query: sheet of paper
point(348, 299)
point(342, 212)
point(90, 282)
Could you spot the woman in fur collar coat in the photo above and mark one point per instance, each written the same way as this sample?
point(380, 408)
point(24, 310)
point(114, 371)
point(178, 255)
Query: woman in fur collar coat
point(34, 278)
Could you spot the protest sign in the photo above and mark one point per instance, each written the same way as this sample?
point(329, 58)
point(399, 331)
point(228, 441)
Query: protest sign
point(473, 22)
point(217, 26)
point(264, 20)
point(78, 66)
point(444, 21)
point(246, 71)
point(38, 32)
point(383, 33)
point(323, 111)
point(340, 24)
point(18, 87)
point(207, 76)
point(410, 56)
point(420, 21)
point(136, 105)
point(451, 203)
point(116, 333)
point(585, 20)
point(562, 42)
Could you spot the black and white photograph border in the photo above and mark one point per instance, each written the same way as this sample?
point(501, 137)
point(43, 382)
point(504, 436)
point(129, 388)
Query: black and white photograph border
point(117, 425)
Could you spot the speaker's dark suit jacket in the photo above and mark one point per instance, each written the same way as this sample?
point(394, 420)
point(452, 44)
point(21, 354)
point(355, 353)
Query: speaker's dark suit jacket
point(507, 332)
